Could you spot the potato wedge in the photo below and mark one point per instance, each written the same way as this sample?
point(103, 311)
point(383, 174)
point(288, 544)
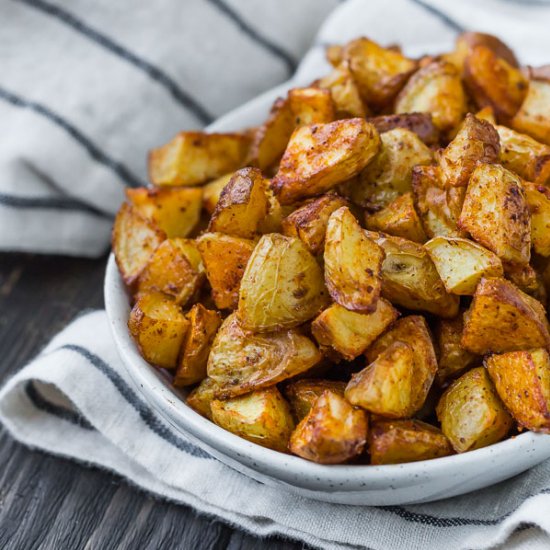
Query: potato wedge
point(400, 441)
point(311, 106)
point(192, 158)
point(437, 89)
point(538, 201)
point(321, 156)
point(526, 279)
point(419, 123)
point(350, 333)
point(344, 93)
point(262, 417)
point(496, 214)
point(241, 361)
point(302, 394)
point(353, 263)
point(488, 114)
point(390, 173)
point(203, 325)
point(200, 399)
point(502, 318)
point(309, 222)
point(134, 241)
point(399, 219)
point(533, 117)
point(462, 263)
point(282, 286)
point(471, 414)
point(332, 432)
point(522, 380)
point(211, 192)
point(158, 327)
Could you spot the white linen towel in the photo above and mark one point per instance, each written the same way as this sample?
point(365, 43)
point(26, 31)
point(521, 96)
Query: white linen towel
point(75, 398)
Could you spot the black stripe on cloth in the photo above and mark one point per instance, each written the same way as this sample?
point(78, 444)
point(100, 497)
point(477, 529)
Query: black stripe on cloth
point(41, 403)
point(155, 73)
point(264, 42)
point(93, 150)
point(50, 203)
point(148, 417)
point(443, 17)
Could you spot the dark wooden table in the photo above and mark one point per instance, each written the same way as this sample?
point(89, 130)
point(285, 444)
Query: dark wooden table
point(51, 503)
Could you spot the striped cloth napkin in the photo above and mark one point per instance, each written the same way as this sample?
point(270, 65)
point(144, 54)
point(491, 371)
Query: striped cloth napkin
point(72, 151)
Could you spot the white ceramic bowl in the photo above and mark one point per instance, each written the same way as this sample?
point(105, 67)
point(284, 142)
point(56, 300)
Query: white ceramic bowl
point(358, 485)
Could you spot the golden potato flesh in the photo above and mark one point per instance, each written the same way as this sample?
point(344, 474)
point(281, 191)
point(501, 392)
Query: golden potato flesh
point(211, 192)
point(488, 114)
point(225, 260)
point(272, 222)
point(158, 327)
point(399, 219)
point(320, 156)
point(400, 441)
point(243, 204)
point(471, 414)
point(311, 106)
point(410, 279)
point(390, 173)
point(309, 222)
point(526, 279)
point(332, 432)
point(203, 325)
point(282, 285)
point(241, 361)
point(379, 72)
point(476, 141)
point(350, 333)
point(175, 210)
point(462, 263)
point(192, 158)
point(262, 417)
point(419, 123)
point(302, 394)
point(436, 89)
point(533, 118)
point(502, 318)
point(496, 214)
point(200, 399)
point(344, 93)
point(134, 241)
point(538, 201)
point(522, 380)
point(352, 263)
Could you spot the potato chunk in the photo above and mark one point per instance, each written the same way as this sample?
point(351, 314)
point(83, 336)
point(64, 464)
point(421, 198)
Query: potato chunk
point(410, 279)
point(309, 222)
point(321, 156)
point(419, 123)
point(503, 318)
point(344, 93)
point(538, 201)
point(496, 215)
point(262, 417)
point(471, 414)
point(476, 141)
point(462, 263)
point(390, 173)
point(225, 260)
point(192, 158)
point(302, 394)
point(158, 327)
point(436, 89)
point(241, 361)
point(200, 399)
point(522, 380)
point(353, 263)
point(400, 441)
point(533, 117)
point(350, 333)
point(311, 106)
point(134, 241)
point(211, 192)
point(203, 325)
point(282, 285)
point(332, 432)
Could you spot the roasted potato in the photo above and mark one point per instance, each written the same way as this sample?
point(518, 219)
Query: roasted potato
point(538, 201)
point(522, 380)
point(471, 414)
point(241, 361)
point(332, 432)
point(311, 106)
point(502, 318)
point(203, 325)
point(419, 123)
point(211, 192)
point(496, 214)
point(192, 158)
point(344, 93)
point(282, 286)
point(353, 263)
point(202, 396)
point(400, 441)
point(526, 279)
point(302, 394)
point(321, 156)
point(262, 417)
point(488, 115)
point(158, 327)
point(350, 333)
point(533, 117)
point(462, 263)
point(272, 223)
